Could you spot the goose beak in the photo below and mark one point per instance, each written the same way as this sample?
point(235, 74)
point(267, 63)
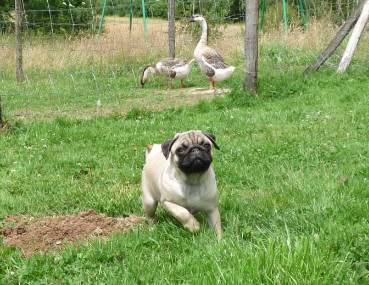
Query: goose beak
point(190, 20)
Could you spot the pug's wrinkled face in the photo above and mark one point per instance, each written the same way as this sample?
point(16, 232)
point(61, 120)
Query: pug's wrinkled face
point(191, 151)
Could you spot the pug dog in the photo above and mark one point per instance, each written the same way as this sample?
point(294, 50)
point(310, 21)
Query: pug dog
point(178, 174)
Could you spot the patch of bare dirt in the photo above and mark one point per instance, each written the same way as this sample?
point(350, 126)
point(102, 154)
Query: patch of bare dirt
point(52, 233)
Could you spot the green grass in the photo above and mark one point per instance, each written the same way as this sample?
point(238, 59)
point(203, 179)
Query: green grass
point(292, 172)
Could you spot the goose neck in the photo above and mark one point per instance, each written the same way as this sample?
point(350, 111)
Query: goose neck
point(204, 32)
point(153, 70)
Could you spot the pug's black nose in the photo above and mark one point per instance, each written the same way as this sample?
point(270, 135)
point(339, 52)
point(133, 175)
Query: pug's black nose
point(195, 150)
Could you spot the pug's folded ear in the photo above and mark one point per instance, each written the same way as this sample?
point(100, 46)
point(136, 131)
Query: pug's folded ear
point(167, 146)
point(211, 137)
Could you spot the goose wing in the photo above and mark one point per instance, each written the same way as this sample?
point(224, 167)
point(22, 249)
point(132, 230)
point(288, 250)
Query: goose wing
point(173, 62)
point(168, 66)
point(214, 59)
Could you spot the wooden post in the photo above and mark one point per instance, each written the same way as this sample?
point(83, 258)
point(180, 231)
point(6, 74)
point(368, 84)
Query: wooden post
point(171, 28)
point(251, 45)
point(354, 39)
point(18, 40)
point(341, 35)
point(1, 115)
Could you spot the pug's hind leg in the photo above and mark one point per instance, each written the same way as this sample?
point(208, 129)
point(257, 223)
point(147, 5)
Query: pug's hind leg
point(214, 222)
point(149, 205)
point(183, 215)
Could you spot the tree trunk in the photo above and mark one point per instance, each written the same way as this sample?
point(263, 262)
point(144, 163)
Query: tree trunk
point(342, 33)
point(354, 39)
point(171, 28)
point(251, 45)
point(18, 39)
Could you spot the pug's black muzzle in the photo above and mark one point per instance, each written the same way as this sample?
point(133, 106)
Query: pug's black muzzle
point(195, 161)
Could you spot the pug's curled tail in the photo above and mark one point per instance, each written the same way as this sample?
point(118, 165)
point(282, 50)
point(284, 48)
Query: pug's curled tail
point(148, 149)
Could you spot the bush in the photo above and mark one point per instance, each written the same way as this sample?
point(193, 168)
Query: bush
point(6, 19)
point(59, 16)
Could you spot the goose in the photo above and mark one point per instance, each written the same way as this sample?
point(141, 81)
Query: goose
point(211, 63)
point(174, 68)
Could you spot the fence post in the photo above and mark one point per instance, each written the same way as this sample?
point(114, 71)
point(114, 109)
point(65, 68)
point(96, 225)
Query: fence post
point(1, 115)
point(354, 39)
point(171, 28)
point(251, 45)
point(340, 36)
point(18, 41)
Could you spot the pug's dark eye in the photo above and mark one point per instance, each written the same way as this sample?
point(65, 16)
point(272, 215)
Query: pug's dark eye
point(207, 145)
point(180, 150)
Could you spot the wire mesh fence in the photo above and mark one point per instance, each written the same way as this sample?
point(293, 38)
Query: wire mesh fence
point(69, 68)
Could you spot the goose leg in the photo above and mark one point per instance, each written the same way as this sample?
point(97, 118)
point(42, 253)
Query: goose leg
point(211, 84)
point(181, 83)
point(171, 83)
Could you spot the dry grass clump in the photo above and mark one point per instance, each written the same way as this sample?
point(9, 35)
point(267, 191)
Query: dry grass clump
point(315, 37)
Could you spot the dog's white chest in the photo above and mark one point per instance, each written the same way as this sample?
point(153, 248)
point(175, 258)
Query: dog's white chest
point(198, 198)
point(195, 197)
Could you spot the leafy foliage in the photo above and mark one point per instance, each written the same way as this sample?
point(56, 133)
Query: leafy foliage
point(6, 6)
point(58, 16)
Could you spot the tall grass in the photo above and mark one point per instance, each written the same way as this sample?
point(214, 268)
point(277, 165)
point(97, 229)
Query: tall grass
point(118, 46)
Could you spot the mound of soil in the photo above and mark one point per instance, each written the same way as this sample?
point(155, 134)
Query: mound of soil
point(51, 233)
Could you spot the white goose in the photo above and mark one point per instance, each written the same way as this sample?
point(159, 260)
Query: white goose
point(211, 63)
point(173, 68)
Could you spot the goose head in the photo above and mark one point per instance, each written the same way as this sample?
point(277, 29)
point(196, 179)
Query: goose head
point(145, 73)
point(196, 18)
point(143, 78)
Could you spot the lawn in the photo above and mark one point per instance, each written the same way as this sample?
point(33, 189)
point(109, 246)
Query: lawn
point(292, 173)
